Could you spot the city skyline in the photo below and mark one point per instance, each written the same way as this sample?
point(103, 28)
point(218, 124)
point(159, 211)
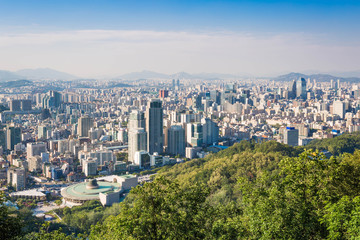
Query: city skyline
point(109, 38)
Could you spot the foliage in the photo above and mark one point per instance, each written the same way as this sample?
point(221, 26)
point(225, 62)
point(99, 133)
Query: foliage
point(79, 219)
point(159, 210)
point(10, 224)
point(122, 156)
point(346, 143)
point(248, 191)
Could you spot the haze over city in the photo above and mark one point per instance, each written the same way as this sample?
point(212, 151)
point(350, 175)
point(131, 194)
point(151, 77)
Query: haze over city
point(110, 38)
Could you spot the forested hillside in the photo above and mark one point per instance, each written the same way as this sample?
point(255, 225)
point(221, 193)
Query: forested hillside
point(248, 191)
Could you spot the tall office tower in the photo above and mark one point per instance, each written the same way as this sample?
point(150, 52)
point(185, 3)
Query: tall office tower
point(214, 95)
point(42, 132)
point(210, 131)
point(173, 83)
point(26, 105)
point(3, 139)
point(176, 140)
point(136, 120)
point(301, 88)
point(35, 149)
point(154, 126)
point(15, 105)
point(196, 102)
point(137, 142)
point(291, 136)
point(16, 177)
point(57, 98)
point(332, 84)
point(13, 137)
point(136, 134)
point(292, 91)
point(338, 84)
point(85, 123)
point(339, 108)
point(194, 134)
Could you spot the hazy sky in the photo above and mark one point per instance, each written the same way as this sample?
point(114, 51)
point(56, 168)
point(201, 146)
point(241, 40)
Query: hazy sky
point(90, 38)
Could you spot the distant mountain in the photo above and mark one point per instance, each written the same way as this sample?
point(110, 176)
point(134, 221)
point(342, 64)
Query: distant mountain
point(8, 76)
point(318, 77)
point(16, 84)
point(143, 75)
point(179, 75)
point(45, 73)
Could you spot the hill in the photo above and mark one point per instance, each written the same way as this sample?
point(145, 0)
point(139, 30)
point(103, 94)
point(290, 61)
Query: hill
point(318, 77)
point(248, 191)
point(16, 84)
point(9, 76)
point(45, 74)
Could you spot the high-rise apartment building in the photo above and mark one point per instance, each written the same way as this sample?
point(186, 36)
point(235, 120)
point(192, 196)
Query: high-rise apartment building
point(176, 140)
point(35, 149)
point(85, 123)
point(42, 132)
point(339, 108)
point(16, 177)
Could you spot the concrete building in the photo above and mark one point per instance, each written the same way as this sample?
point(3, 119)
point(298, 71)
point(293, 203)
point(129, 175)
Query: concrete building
point(137, 142)
point(291, 136)
point(339, 108)
point(89, 167)
point(35, 163)
point(35, 149)
point(16, 177)
point(142, 158)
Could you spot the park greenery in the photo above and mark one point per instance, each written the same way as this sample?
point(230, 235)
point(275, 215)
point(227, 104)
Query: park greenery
point(248, 191)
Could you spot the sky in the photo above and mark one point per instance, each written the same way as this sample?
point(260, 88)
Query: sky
point(107, 38)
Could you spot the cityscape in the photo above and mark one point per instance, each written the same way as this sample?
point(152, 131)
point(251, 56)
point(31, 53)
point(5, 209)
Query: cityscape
point(105, 149)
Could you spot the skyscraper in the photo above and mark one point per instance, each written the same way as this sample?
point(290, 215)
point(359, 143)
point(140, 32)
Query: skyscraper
point(136, 120)
point(301, 88)
point(292, 91)
point(84, 125)
point(13, 137)
point(154, 126)
point(339, 108)
point(42, 132)
point(210, 131)
point(176, 140)
point(137, 142)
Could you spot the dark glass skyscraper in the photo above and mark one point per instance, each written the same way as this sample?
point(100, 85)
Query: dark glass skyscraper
point(154, 126)
point(301, 88)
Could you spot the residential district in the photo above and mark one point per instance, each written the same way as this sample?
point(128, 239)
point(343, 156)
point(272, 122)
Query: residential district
point(84, 140)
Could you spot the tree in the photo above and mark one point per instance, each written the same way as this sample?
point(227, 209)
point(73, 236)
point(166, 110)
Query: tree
point(10, 225)
point(159, 210)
